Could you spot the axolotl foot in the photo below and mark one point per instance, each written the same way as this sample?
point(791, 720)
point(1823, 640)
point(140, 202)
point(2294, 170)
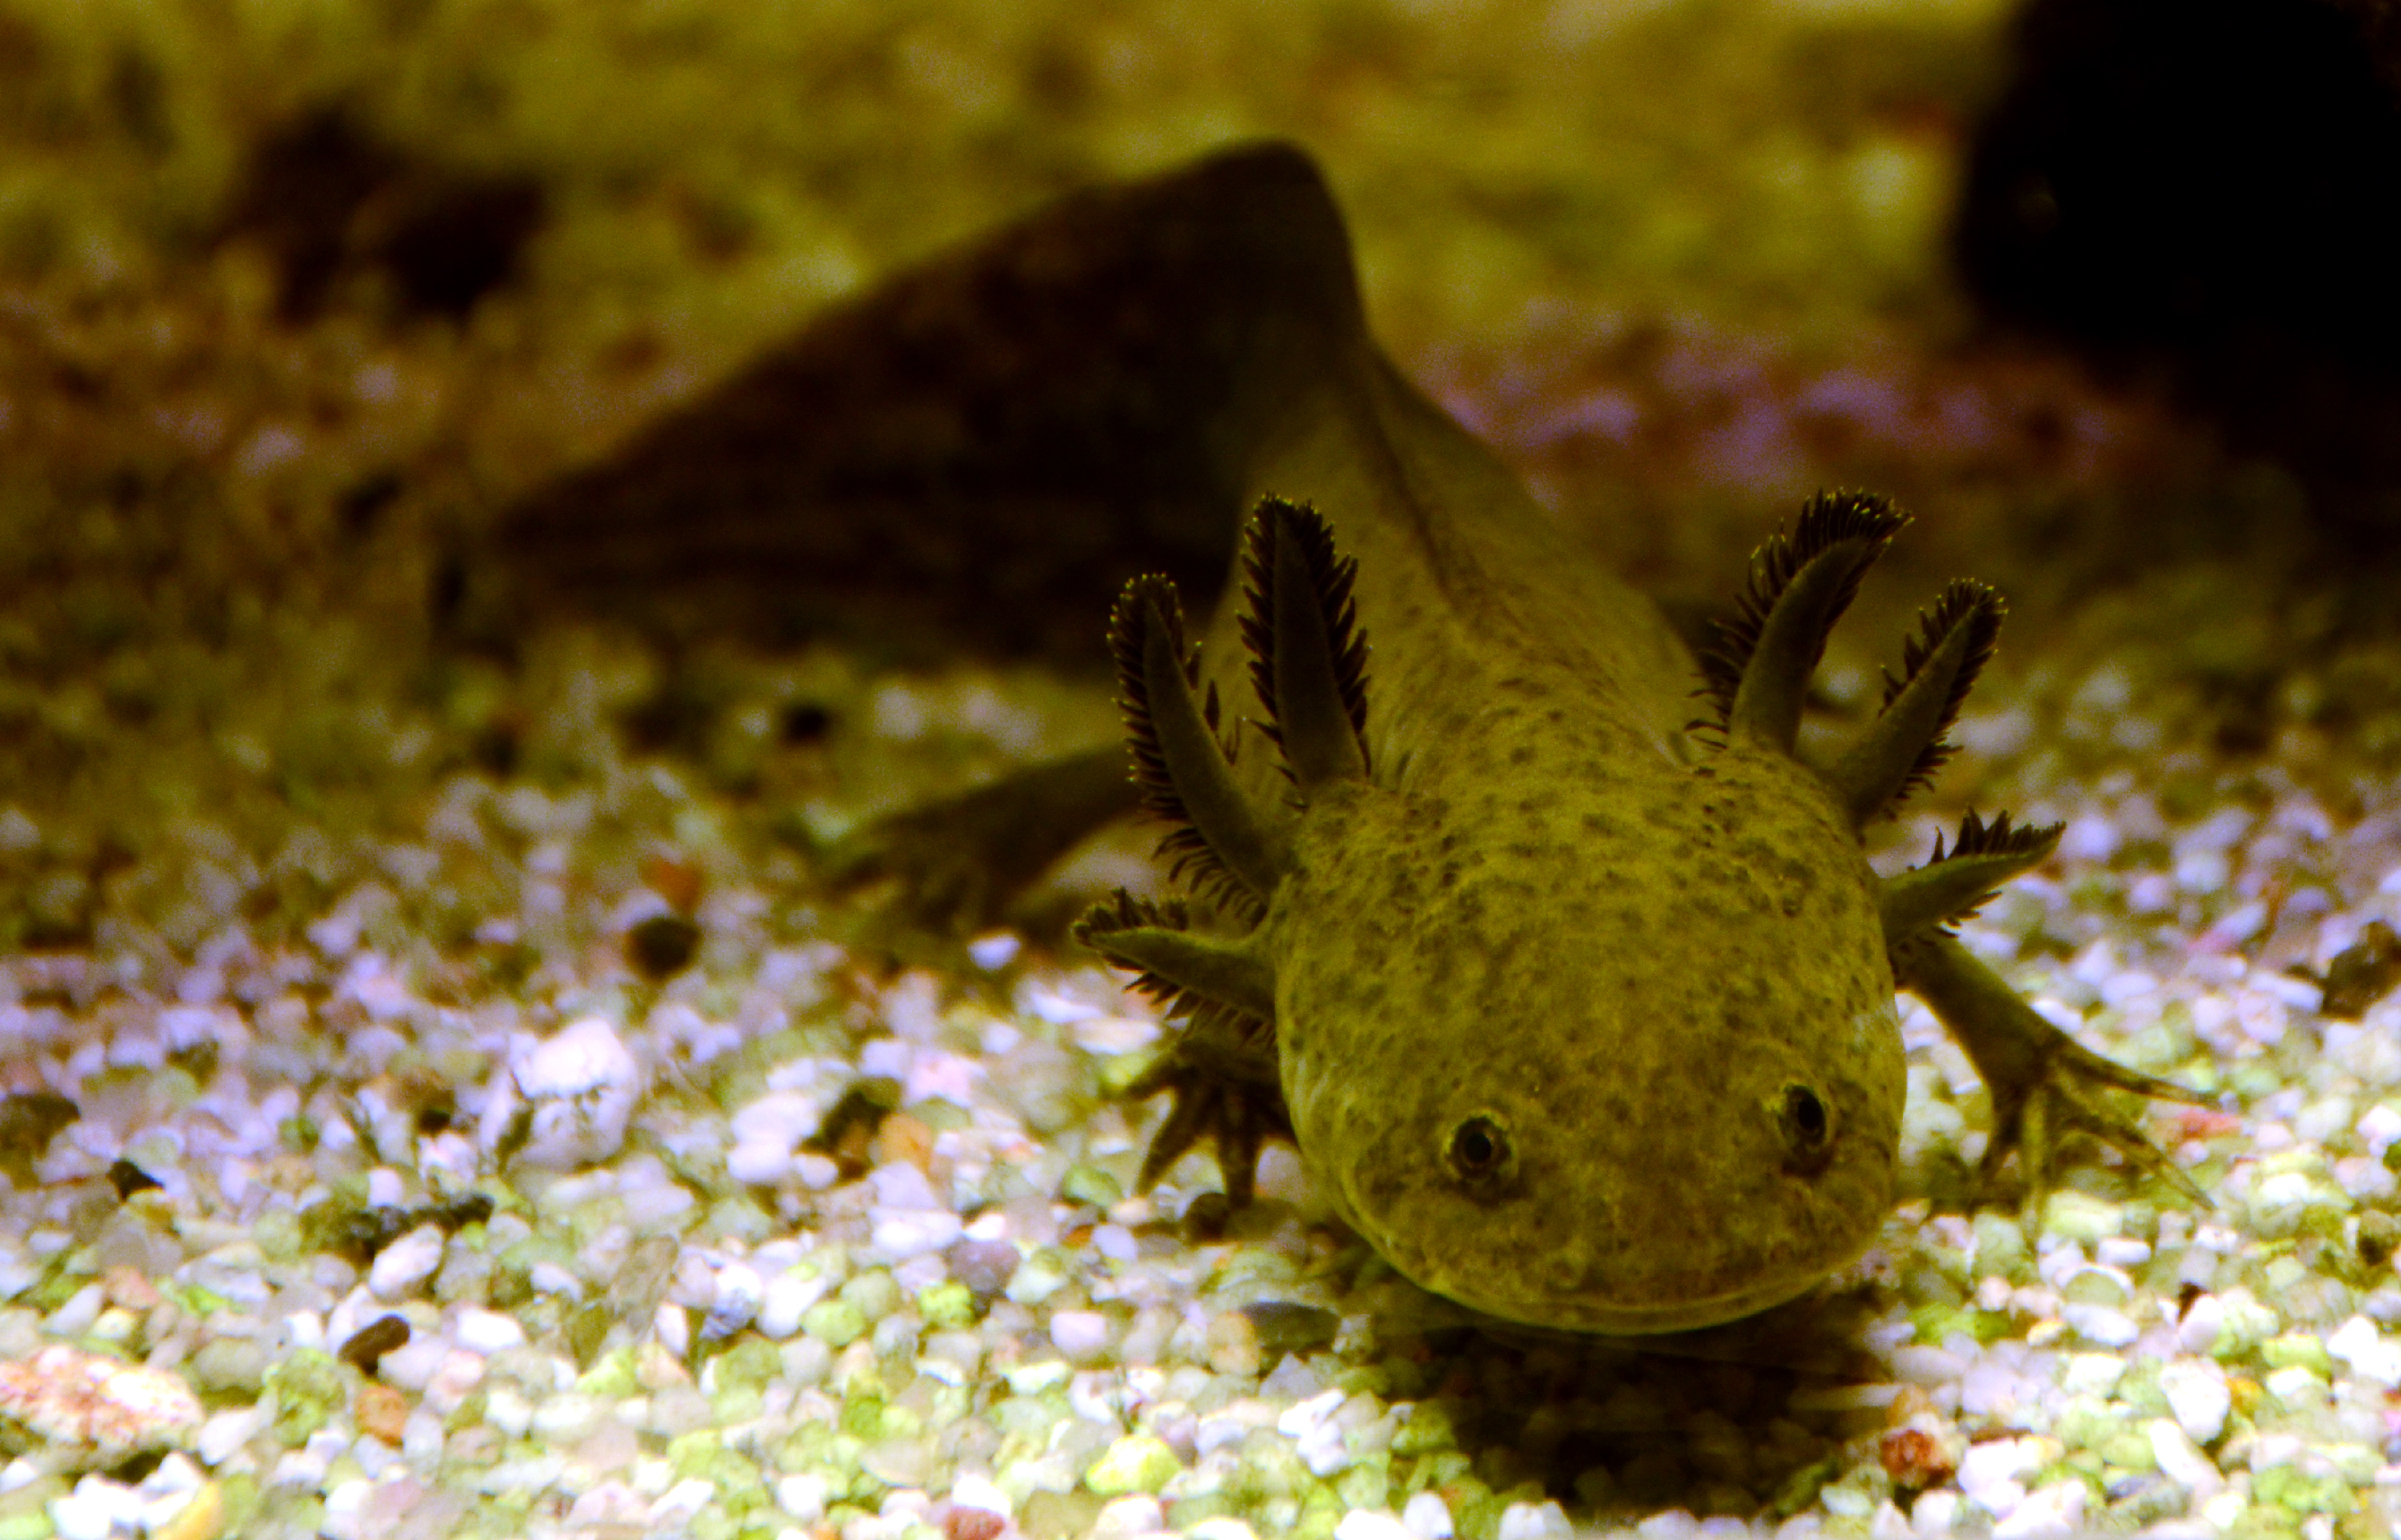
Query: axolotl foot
point(2046, 1087)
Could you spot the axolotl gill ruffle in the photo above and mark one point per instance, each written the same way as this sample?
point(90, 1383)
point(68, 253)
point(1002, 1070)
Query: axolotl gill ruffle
point(1579, 1009)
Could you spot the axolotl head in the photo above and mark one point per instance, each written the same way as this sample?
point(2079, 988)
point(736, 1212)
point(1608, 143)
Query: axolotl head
point(1578, 1029)
point(1602, 1049)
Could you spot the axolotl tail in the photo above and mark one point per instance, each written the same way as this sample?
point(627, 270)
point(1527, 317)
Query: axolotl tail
point(980, 451)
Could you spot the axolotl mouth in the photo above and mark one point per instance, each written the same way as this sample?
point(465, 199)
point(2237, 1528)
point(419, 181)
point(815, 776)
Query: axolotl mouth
point(1575, 1203)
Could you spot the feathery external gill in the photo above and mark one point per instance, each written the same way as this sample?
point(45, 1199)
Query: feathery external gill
point(1905, 745)
point(1757, 673)
point(1953, 884)
point(1308, 658)
point(1216, 841)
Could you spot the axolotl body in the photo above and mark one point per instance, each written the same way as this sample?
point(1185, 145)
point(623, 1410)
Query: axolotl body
point(1579, 1011)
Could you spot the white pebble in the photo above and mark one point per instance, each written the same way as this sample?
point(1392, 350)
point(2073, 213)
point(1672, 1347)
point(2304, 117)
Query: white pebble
point(74, 1317)
point(972, 1491)
point(2088, 839)
point(2203, 1319)
point(2371, 1356)
point(803, 1497)
point(2093, 1373)
point(1079, 1333)
point(227, 1432)
point(2197, 1394)
point(899, 1185)
point(1989, 1472)
point(678, 1504)
point(759, 1164)
point(406, 1264)
point(2100, 1325)
point(786, 1298)
point(385, 1188)
point(1427, 1516)
point(1544, 1520)
point(175, 1473)
point(994, 952)
point(673, 1329)
point(1935, 1513)
point(343, 1506)
point(96, 1506)
point(488, 1332)
point(1311, 1425)
point(900, 1234)
point(581, 1084)
point(1124, 1518)
point(548, 1277)
point(2056, 1509)
point(1372, 1524)
point(2181, 1460)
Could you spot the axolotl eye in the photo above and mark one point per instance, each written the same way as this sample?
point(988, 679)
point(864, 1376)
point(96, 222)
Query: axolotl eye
point(1479, 1153)
point(1807, 1124)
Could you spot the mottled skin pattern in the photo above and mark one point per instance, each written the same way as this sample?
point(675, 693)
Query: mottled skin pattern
point(1549, 908)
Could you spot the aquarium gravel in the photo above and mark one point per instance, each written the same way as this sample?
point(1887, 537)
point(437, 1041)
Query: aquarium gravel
point(444, 1209)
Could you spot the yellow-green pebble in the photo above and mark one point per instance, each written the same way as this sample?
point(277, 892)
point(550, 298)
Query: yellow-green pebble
point(836, 1323)
point(1136, 1463)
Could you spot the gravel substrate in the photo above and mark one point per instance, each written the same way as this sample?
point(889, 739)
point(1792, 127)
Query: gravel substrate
point(696, 1215)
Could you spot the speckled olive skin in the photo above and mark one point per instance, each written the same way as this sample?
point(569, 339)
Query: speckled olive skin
point(1551, 910)
point(1629, 985)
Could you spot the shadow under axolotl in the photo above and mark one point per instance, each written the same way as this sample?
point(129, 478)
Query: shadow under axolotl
point(1746, 1420)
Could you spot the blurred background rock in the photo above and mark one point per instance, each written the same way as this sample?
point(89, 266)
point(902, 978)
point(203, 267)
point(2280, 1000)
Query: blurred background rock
point(290, 292)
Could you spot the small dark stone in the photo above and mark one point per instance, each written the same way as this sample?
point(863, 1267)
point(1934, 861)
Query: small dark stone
point(128, 1178)
point(360, 506)
point(472, 1209)
point(366, 1347)
point(1285, 1327)
point(494, 749)
point(359, 1233)
point(805, 722)
point(1206, 1216)
point(2378, 1233)
point(29, 1120)
point(199, 1060)
point(663, 946)
point(333, 201)
point(851, 1126)
point(2362, 973)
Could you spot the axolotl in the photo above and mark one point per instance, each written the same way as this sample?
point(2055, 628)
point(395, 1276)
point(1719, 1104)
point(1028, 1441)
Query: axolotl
point(1581, 1010)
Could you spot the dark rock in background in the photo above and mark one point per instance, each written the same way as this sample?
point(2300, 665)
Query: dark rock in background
point(333, 203)
point(2202, 194)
